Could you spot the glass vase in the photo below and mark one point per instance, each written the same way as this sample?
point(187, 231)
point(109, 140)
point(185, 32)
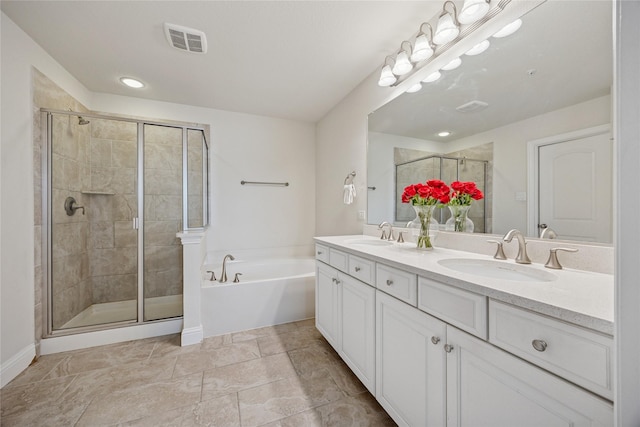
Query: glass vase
point(459, 220)
point(424, 226)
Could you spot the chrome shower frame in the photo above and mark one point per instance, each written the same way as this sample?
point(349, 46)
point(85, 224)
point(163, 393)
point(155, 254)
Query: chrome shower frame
point(138, 221)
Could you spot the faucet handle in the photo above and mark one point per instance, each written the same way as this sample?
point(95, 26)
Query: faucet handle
point(236, 278)
point(213, 276)
point(384, 235)
point(499, 250)
point(400, 237)
point(553, 262)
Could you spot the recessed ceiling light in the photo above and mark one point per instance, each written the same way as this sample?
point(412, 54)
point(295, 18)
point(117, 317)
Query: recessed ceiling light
point(128, 81)
point(444, 133)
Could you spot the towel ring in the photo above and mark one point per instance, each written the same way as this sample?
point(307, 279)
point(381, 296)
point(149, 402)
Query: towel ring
point(349, 178)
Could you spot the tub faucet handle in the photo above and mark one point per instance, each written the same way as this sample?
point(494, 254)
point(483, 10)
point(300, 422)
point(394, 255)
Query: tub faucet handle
point(236, 279)
point(213, 276)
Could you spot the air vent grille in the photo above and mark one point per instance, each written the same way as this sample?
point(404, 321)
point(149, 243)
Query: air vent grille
point(186, 39)
point(472, 106)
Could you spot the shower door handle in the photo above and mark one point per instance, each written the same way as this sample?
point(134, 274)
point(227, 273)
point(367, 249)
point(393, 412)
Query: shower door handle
point(136, 223)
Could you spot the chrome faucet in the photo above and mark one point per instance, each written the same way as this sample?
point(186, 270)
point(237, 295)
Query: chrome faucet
point(522, 257)
point(223, 276)
point(384, 235)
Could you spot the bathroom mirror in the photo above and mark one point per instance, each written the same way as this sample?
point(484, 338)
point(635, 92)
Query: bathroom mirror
point(551, 78)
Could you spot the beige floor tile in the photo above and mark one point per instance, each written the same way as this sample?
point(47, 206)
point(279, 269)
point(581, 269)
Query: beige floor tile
point(263, 332)
point(284, 398)
point(312, 358)
point(307, 323)
point(359, 411)
point(245, 375)
point(170, 346)
point(212, 343)
point(205, 360)
point(290, 341)
point(222, 412)
point(102, 357)
point(20, 399)
point(38, 370)
point(142, 401)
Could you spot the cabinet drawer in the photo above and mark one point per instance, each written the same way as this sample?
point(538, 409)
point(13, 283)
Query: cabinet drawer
point(362, 269)
point(398, 283)
point(322, 253)
point(581, 356)
point(460, 308)
point(338, 259)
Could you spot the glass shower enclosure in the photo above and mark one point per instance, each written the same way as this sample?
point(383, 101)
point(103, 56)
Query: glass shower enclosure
point(116, 193)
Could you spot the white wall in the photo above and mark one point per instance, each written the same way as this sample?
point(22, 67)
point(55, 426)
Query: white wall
point(243, 146)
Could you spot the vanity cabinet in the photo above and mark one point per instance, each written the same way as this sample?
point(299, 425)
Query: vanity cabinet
point(435, 354)
point(487, 386)
point(410, 363)
point(345, 315)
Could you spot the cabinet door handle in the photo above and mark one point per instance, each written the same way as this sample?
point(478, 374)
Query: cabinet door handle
point(389, 282)
point(435, 339)
point(448, 348)
point(539, 345)
point(320, 252)
point(357, 269)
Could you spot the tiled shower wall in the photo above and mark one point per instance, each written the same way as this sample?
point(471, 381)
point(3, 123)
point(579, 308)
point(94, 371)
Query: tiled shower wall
point(96, 253)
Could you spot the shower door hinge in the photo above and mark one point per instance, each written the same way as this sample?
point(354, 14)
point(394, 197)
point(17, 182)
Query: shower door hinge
point(136, 223)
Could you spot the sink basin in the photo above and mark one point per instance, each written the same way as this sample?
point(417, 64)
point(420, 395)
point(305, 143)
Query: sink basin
point(498, 270)
point(369, 242)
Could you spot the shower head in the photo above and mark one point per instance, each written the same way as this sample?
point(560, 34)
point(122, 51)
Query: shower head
point(82, 121)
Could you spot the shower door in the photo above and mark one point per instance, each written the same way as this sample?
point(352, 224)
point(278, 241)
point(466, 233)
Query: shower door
point(117, 191)
point(91, 202)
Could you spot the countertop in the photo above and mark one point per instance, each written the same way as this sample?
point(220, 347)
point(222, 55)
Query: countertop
point(578, 297)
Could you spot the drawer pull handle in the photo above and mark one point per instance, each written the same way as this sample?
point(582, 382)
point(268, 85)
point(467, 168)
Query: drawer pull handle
point(435, 339)
point(539, 345)
point(448, 348)
point(320, 252)
point(357, 269)
point(389, 282)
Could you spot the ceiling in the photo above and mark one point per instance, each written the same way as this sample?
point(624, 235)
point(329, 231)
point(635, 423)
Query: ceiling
point(562, 55)
point(287, 59)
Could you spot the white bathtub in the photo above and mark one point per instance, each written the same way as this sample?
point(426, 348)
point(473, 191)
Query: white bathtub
point(271, 291)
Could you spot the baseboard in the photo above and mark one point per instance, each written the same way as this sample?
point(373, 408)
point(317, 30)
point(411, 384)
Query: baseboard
point(192, 336)
point(109, 336)
point(18, 363)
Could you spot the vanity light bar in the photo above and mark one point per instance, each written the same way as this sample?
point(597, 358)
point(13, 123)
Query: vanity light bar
point(428, 44)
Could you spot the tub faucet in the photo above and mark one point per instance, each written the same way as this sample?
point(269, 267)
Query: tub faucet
point(522, 257)
point(223, 275)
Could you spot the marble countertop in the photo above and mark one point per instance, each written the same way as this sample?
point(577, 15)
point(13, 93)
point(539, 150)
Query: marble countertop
point(579, 297)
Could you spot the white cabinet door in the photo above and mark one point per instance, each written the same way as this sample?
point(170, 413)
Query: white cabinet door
point(410, 363)
point(357, 328)
point(489, 387)
point(327, 303)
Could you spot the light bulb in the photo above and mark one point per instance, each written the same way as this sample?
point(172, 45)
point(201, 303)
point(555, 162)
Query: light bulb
point(128, 81)
point(479, 48)
point(386, 77)
point(444, 133)
point(452, 65)
point(473, 10)
point(414, 88)
point(432, 77)
point(509, 29)
point(422, 49)
point(446, 30)
point(402, 65)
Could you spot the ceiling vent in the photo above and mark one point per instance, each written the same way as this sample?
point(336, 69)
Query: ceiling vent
point(186, 39)
point(471, 107)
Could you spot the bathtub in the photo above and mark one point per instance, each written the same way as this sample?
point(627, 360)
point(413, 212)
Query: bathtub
point(270, 291)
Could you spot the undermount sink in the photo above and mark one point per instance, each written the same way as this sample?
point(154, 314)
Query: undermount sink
point(498, 270)
point(369, 242)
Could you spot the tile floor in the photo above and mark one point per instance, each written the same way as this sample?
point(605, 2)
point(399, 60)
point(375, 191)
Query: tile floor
point(285, 375)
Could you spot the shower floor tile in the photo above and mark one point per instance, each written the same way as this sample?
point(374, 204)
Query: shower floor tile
point(121, 311)
point(225, 381)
